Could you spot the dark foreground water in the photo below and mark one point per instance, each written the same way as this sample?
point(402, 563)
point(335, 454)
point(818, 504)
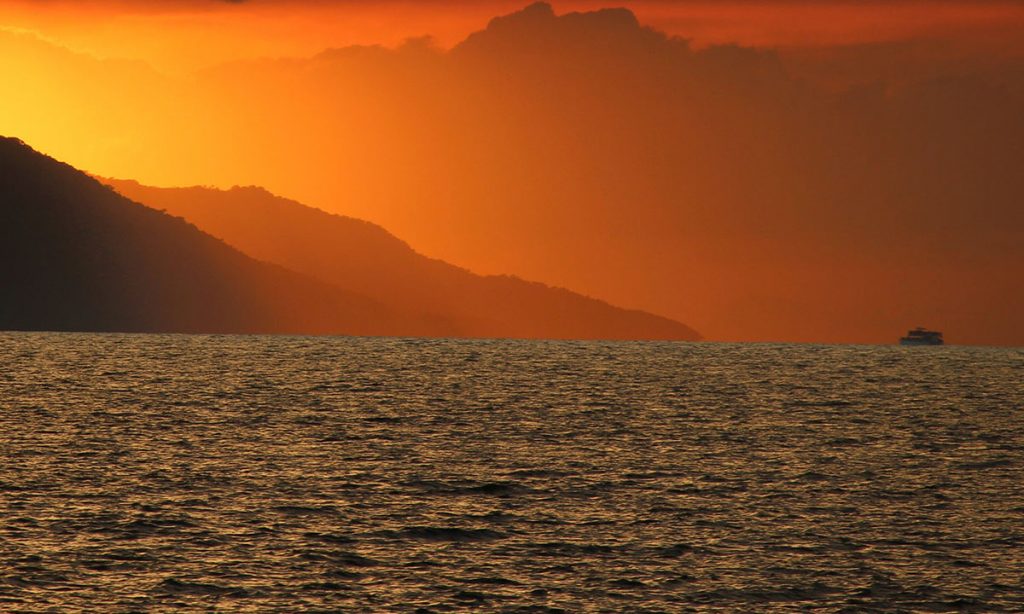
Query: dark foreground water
point(180, 473)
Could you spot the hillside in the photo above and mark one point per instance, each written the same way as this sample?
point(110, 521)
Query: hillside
point(366, 259)
point(80, 257)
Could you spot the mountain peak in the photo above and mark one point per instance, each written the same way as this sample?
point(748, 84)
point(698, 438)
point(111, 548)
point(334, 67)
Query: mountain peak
point(80, 257)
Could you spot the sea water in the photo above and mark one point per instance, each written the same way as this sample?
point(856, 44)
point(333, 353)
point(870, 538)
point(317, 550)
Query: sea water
point(292, 474)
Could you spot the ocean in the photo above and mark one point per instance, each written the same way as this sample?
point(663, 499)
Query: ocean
point(314, 474)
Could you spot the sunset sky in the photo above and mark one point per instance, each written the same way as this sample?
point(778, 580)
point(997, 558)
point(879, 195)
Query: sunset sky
point(761, 170)
point(179, 35)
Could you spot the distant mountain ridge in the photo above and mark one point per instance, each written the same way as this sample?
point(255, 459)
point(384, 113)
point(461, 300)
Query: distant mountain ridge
point(366, 259)
point(79, 256)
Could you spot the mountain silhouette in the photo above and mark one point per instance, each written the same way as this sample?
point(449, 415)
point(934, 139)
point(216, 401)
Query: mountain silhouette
point(366, 259)
point(77, 256)
point(835, 194)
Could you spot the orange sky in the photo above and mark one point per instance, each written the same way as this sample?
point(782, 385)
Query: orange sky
point(848, 177)
point(186, 34)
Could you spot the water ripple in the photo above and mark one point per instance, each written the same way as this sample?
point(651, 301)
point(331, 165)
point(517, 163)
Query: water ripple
point(193, 473)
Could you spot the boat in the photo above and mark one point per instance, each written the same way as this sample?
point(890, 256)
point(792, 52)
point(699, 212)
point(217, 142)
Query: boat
point(922, 336)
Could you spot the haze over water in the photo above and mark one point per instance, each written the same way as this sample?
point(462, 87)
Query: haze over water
point(187, 473)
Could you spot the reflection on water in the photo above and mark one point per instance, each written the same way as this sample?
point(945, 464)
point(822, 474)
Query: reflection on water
point(296, 474)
